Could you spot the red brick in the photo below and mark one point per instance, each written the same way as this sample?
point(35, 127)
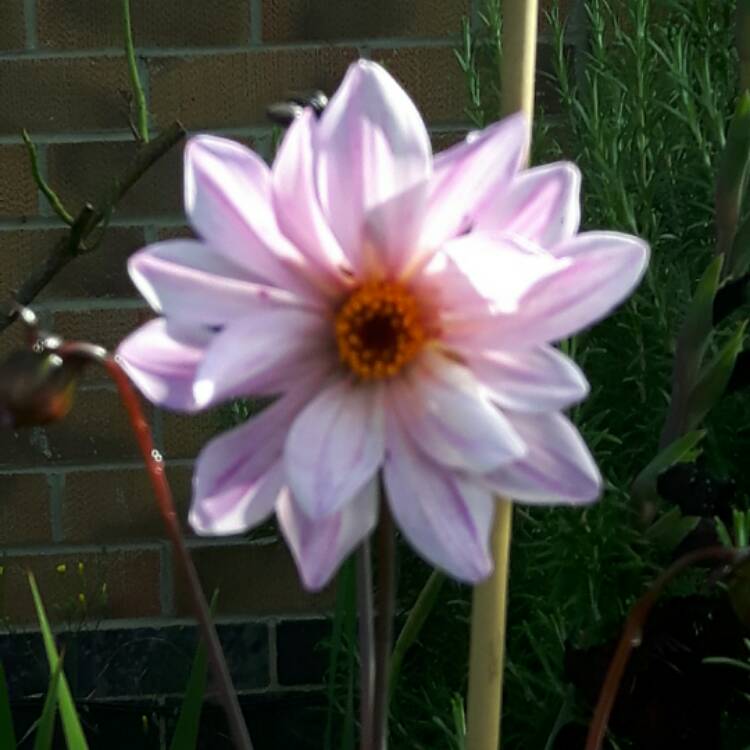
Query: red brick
point(174, 233)
point(253, 579)
point(442, 141)
point(104, 327)
point(115, 584)
point(96, 430)
point(186, 434)
point(432, 77)
point(77, 24)
point(101, 273)
point(83, 172)
point(24, 509)
point(118, 505)
point(61, 95)
point(18, 193)
point(234, 90)
point(12, 25)
point(332, 20)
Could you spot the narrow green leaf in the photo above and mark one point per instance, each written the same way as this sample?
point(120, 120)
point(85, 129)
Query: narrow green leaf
point(740, 256)
point(714, 379)
point(45, 730)
point(733, 175)
point(7, 734)
point(72, 729)
point(185, 735)
point(418, 615)
point(670, 529)
point(680, 451)
point(696, 331)
point(743, 42)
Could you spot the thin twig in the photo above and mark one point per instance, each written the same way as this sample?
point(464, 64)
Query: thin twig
point(632, 633)
point(386, 606)
point(135, 79)
point(88, 219)
point(165, 503)
point(366, 644)
point(52, 197)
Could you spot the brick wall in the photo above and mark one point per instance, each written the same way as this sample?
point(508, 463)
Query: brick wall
point(74, 503)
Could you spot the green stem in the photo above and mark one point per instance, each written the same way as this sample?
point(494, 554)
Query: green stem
point(52, 197)
point(415, 621)
point(135, 79)
point(366, 644)
point(386, 606)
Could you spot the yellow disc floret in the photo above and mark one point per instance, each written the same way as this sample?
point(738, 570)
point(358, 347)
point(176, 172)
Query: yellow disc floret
point(379, 329)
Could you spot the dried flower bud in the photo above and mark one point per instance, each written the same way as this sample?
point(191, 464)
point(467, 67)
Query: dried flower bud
point(36, 388)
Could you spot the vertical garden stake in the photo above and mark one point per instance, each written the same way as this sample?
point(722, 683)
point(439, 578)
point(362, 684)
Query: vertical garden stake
point(486, 657)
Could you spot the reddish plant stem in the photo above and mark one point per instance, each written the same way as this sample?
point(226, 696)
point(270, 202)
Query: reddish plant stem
point(632, 633)
point(163, 493)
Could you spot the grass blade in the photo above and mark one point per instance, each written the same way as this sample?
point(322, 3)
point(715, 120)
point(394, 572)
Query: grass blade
point(72, 728)
point(7, 734)
point(45, 730)
point(185, 735)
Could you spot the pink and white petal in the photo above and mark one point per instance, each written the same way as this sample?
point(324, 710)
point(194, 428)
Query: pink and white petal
point(501, 268)
point(185, 280)
point(240, 507)
point(469, 174)
point(260, 352)
point(372, 145)
point(162, 359)
point(558, 468)
point(319, 547)
point(335, 446)
point(446, 516)
point(229, 202)
point(529, 380)
point(392, 233)
point(604, 270)
point(542, 204)
point(451, 418)
point(295, 199)
point(238, 474)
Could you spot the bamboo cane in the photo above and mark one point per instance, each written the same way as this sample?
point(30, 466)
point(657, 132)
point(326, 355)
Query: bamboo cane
point(487, 647)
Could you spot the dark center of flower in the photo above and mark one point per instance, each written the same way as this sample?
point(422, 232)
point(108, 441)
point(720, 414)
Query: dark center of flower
point(379, 329)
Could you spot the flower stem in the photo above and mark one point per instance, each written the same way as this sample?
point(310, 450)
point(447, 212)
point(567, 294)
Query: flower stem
point(366, 644)
point(135, 79)
point(155, 468)
point(632, 633)
point(386, 606)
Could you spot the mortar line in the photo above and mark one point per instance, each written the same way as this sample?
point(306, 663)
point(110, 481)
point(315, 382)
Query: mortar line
point(30, 23)
point(188, 52)
point(256, 23)
point(56, 482)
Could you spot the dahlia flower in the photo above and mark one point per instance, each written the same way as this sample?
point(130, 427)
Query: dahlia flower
point(401, 308)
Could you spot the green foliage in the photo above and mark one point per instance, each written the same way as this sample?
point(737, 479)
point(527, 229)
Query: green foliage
point(45, 731)
point(7, 733)
point(72, 729)
point(185, 735)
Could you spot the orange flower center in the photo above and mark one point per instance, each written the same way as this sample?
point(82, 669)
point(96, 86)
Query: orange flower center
point(379, 329)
